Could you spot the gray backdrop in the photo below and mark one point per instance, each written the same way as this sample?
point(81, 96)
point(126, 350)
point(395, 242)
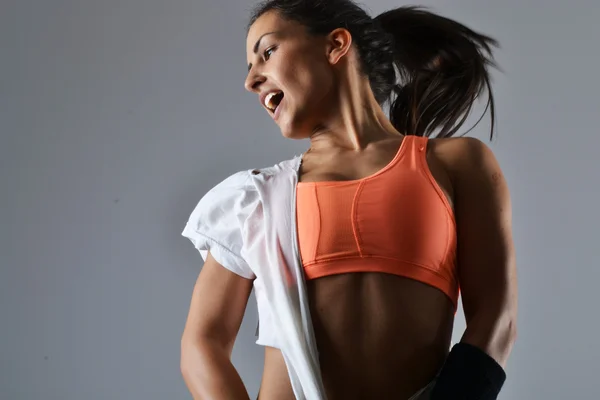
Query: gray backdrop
point(118, 115)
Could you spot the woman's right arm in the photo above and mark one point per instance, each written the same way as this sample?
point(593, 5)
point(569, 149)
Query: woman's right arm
point(216, 311)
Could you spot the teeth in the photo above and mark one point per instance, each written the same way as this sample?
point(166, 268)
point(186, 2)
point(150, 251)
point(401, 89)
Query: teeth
point(268, 99)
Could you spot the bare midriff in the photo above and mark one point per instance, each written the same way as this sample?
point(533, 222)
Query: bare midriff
point(379, 336)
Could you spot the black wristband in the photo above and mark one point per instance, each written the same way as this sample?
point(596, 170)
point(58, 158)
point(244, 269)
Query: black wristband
point(468, 374)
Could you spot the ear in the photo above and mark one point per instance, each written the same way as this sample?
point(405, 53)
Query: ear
point(338, 44)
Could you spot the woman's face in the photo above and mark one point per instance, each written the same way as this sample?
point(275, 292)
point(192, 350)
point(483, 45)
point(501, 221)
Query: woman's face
point(296, 64)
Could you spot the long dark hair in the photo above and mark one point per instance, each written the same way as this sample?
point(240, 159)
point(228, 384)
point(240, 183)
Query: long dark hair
point(435, 67)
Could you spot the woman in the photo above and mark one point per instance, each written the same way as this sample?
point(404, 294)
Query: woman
point(390, 224)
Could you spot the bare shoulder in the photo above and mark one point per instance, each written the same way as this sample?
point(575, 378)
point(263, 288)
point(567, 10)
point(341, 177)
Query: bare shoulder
point(463, 156)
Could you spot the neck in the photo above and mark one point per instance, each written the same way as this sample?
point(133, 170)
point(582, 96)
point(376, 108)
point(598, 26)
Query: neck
point(355, 122)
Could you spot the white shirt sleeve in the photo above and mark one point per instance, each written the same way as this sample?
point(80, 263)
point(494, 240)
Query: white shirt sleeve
point(217, 221)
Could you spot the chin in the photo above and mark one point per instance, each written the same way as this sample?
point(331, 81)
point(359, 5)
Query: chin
point(294, 128)
point(287, 129)
point(287, 133)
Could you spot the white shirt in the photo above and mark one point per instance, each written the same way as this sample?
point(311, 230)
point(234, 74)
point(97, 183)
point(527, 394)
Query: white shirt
point(248, 222)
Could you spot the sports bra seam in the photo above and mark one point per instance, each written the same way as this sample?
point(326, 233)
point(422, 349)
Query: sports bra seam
point(314, 264)
point(355, 228)
point(320, 222)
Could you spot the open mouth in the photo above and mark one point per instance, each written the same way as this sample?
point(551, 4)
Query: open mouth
point(274, 102)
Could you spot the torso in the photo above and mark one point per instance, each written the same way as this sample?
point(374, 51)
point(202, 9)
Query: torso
point(378, 335)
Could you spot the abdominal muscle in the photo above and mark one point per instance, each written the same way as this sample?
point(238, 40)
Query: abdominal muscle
point(379, 336)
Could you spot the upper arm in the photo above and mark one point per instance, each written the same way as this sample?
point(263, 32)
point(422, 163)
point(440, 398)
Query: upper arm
point(485, 249)
point(216, 228)
point(217, 306)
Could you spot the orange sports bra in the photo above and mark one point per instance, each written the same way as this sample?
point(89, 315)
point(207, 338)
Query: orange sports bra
point(396, 221)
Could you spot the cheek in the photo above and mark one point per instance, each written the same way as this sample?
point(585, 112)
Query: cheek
point(320, 89)
point(311, 81)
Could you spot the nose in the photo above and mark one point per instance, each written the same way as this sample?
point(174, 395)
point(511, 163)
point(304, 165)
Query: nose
point(253, 81)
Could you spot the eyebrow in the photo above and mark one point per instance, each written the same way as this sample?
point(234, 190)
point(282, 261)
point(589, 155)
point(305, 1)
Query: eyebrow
point(257, 44)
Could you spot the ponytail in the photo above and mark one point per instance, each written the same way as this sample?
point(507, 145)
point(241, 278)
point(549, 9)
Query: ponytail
point(442, 65)
point(443, 69)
